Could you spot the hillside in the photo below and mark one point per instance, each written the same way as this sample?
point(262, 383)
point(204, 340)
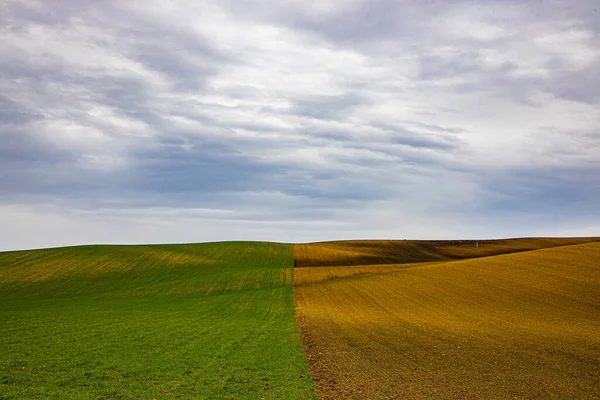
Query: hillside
point(379, 319)
point(199, 321)
point(372, 252)
point(521, 325)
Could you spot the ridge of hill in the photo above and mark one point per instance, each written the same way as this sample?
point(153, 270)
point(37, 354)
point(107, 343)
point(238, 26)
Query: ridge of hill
point(373, 252)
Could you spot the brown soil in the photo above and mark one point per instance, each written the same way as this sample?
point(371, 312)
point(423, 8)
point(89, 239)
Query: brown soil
point(511, 326)
point(370, 252)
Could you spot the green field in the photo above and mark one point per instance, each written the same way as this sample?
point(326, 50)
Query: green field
point(204, 321)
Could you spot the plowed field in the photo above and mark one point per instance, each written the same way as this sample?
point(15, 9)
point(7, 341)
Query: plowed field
point(368, 252)
point(523, 325)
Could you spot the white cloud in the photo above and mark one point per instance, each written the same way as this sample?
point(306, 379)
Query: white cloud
point(375, 110)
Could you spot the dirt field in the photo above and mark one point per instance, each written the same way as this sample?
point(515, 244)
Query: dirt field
point(523, 325)
point(369, 252)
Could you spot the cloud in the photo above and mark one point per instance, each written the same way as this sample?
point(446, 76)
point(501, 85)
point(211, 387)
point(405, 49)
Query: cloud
point(298, 120)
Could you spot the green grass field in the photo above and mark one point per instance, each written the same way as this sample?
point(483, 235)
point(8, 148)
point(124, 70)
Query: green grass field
point(205, 321)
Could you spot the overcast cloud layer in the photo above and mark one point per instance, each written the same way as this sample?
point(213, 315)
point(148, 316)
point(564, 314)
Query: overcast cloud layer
point(186, 121)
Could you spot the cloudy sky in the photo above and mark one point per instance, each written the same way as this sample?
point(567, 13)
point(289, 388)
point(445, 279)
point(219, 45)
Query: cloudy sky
point(185, 121)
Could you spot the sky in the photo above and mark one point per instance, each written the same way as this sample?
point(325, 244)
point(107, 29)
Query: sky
point(297, 120)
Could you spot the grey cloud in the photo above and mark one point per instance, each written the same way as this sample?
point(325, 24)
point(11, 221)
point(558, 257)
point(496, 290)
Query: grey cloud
point(435, 128)
point(185, 58)
point(204, 167)
point(20, 15)
point(430, 139)
point(411, 134)
point(562, 192)
point(366, 26)
point(463, 62)
point(13, 114)
point(371, 21)
point(581, 85)
point(24, 157)
point(173, 63)
point(327, 107)
point(29, 167)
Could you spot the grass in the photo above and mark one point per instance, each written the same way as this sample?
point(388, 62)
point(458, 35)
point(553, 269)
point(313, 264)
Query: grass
point(522, 325)
point(199, 321)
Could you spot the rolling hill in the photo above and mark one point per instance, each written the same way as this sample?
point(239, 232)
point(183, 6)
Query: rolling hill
point(200, 321)
point(522, 325)
point(515, 318)
point(370, 252)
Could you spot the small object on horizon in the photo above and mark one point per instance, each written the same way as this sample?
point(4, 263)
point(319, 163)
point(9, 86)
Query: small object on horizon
point(477, 243)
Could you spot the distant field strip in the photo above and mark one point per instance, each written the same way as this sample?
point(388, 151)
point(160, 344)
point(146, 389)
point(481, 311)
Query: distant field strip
point(201, 321)
point(305, 276)
point(369, 252)
point(523, 325)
